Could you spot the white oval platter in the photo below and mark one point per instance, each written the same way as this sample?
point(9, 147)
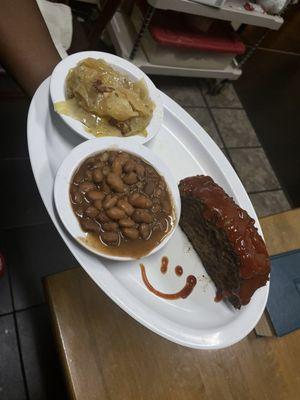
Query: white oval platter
point(187, 149)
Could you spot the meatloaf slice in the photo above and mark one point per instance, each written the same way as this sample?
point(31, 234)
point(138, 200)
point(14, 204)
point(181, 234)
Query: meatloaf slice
point(224, 236)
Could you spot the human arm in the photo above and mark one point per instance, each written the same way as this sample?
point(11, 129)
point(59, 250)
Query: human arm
point(27, 51)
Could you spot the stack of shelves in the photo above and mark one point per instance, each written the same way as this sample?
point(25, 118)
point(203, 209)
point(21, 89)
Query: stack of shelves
point(123, 34)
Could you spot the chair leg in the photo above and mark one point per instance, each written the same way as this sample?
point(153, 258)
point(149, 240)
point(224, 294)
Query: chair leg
point(105, 16)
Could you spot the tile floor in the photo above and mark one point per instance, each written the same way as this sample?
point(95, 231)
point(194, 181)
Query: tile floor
point(29, 366)
point(225, 120)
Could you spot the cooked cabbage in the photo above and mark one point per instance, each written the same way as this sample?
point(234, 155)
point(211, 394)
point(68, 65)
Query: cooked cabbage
point(105, 101)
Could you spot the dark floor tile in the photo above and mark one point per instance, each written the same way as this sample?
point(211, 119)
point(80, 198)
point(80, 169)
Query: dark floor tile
point(43, 372)
point(235, 128)
point(270, 93)
point(226, 98)
point(5, 297)
point(32, 253)
point(13, 117)
point(267, 203)
point(11, 380)
point(254, 169)
point(203, 117)
point(21, 203)
point(184, 91)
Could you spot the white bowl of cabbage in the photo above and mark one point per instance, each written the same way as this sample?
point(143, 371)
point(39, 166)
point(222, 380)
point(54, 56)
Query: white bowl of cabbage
point(99, 94)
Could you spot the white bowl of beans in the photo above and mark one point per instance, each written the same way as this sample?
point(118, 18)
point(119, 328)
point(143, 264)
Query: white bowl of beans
point(117, 199)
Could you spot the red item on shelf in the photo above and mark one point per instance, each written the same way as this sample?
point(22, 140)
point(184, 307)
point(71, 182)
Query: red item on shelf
point(219, 38)
point(248, 6)
point(171, 28)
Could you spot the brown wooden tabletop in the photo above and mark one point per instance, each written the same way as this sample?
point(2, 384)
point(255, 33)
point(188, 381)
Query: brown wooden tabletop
point(108, 355)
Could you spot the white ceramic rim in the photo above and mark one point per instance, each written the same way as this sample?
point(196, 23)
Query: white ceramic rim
point(88, 149)
point(57, 91)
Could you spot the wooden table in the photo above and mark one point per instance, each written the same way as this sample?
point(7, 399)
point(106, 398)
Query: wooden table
point(107, 355)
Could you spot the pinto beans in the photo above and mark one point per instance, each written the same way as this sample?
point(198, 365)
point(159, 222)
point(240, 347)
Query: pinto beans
point(129, 166)
point(125, 206)
point(149, 188)
point(106, 188)
point(130, 233)
point(115, 182)
point(140, 201)
point(142, 216)
point(126, 222)
point(140, 170)
point(110, 226)
point(156, 208)
point(89, 225)
point(166, 206)
point(109, 237)
point(76, 196)
point(123, 199)
point(98, 164)
point(109, 201)
point(79, 211)
point(98, 204)
point(144, 230)
point(79, 176)
point(97, 175)
point(116, 213)
point(105, 170)
point(104, 156)
point(91, 212)
point(158, 192)
point(102, 217)
point(94, 195)
point(130, 178)
point(86, 186)
point(118, 163)
point(89, 175)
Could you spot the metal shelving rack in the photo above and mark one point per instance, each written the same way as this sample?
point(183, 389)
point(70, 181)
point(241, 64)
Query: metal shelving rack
point(127, 42)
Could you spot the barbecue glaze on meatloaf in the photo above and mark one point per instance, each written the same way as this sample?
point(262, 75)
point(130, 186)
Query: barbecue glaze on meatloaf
point(224, 236)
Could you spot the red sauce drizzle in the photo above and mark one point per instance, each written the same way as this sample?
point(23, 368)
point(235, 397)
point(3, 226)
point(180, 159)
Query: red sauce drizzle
point(219, 296)
point(178, 270)
point(164, 265)
point(183, 293)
